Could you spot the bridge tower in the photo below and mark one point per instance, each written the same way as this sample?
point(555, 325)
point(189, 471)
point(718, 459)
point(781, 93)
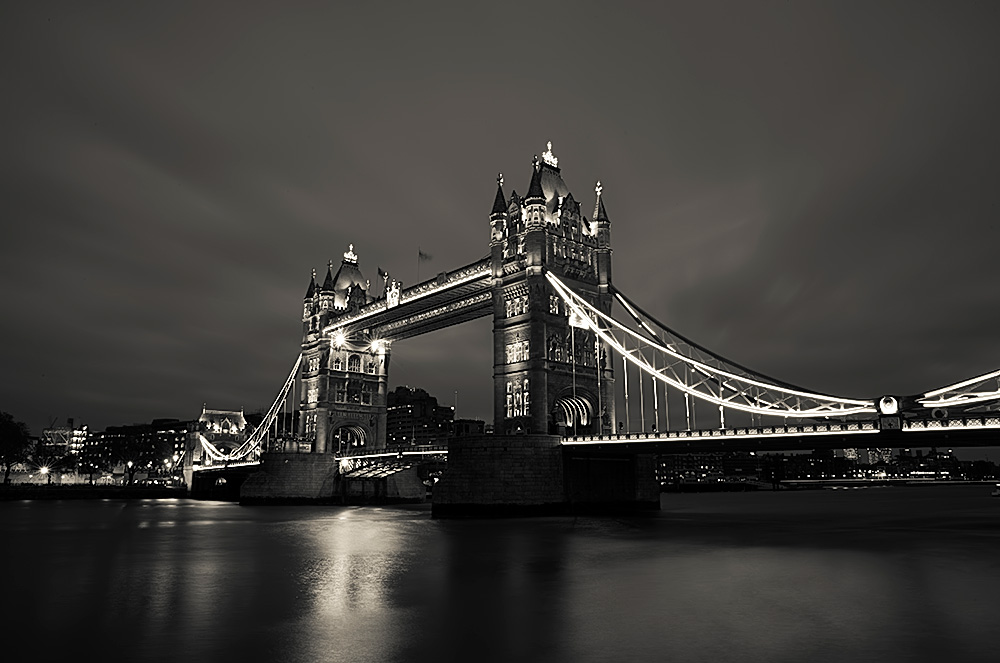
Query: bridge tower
point(344, 378)
point(550, 375)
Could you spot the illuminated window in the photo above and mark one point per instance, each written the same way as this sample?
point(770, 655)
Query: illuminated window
point(354, 364)
point(518, 400)
point(340, 391)
point(312, 395)
point(517, 351)
point(338, 362)
point(516, 305)
point(554, 304)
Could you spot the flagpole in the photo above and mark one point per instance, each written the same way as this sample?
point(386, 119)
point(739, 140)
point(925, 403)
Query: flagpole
point(418, 264)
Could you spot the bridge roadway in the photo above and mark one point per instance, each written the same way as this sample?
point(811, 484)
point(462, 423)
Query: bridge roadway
point(968, 431)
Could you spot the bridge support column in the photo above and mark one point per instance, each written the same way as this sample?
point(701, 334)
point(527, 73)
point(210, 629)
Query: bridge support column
point(526, 475)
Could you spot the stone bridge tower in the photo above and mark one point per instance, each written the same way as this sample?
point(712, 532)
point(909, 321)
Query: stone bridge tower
point(345, 378)
point(550, 376)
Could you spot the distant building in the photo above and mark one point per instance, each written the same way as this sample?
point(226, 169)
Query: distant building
point(155, 448)
point(65, 440)
point(414, 417)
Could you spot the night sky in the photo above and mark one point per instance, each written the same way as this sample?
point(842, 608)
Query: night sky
point(807, 189)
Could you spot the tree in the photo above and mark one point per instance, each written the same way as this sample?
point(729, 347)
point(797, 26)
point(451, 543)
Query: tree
point(15, 443)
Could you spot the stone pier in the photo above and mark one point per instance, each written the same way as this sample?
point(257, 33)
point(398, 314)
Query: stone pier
point(523, 475)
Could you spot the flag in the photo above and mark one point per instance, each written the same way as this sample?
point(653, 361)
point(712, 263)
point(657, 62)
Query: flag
point(422, 256)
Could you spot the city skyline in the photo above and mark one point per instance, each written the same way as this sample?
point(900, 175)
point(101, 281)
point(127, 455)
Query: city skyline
point(804, 190)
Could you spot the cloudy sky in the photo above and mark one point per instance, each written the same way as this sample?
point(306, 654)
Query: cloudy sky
point(808, 189)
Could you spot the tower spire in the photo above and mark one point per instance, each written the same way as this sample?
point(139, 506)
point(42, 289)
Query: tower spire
point(499, 203)
point(312, 286)
point(600, 214)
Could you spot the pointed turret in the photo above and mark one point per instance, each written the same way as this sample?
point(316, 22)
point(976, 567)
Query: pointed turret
point(498, 217)
point(600, 214)
point(535, 193)
point(328, 282)
point(499, 203)
point(312, 286)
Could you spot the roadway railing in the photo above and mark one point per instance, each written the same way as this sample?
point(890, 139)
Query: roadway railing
point(806, 430)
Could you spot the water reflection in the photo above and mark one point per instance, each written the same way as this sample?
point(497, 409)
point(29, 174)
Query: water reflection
point(821, 577)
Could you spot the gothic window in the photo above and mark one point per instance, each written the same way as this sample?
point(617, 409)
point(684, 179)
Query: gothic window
point(366, 393)
point(354, 364)
point(517, 398)
point(371, 367)
point(354, 391)
point(341, 391)
point(312, 394)
point(517, 351)
point(338, 362)
point(554, 304)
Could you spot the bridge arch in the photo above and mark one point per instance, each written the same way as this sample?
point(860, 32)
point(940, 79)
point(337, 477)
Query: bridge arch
point(573, 412)
point(350, 434)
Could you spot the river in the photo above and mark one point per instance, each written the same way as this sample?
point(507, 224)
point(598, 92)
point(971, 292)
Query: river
point(877, 574)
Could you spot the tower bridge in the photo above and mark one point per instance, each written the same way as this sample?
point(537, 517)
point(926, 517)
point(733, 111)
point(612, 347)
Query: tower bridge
point(574, 360)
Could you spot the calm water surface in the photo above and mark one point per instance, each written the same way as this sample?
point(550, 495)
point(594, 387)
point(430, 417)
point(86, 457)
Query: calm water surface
point(890, 574)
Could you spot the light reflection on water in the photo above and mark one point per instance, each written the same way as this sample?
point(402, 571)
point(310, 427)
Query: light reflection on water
point(892, 575)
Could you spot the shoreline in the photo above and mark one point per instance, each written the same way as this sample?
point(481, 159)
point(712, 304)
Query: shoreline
point(14, 492)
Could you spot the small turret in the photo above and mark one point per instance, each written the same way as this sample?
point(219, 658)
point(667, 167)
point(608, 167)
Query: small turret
point(312, 286)
point(602, 226)
point(498, 217)
point(535, 193)
point(328, 281)
point(309, 301)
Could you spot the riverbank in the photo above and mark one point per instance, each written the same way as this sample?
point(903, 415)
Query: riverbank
point(23, 491)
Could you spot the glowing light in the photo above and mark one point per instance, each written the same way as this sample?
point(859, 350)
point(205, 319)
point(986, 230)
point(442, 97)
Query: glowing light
point(378, 346)
point(339, 339)
point(826, 402)
point(44, 470)
point(350, 256)
point(548, 157)
point(888, 405)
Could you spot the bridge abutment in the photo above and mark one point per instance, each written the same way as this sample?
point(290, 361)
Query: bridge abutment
point(524, 475)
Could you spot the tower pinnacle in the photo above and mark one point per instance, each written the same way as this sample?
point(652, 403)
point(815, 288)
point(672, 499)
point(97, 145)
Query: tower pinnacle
point(548, 157)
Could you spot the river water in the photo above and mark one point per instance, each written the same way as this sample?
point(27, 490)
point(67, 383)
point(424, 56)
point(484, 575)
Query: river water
point(879, 574)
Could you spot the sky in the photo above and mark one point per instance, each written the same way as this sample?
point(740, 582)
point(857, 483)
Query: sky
point(808, 189)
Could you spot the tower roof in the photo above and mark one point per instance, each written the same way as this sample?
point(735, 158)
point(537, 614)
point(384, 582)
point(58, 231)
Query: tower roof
point(328, 281)
point(535, 187)
point(312, 286)
point(347, 277)
point(600, 214)
point(499, 204)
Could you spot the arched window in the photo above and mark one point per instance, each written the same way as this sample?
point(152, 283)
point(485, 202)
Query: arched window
point(354, 363)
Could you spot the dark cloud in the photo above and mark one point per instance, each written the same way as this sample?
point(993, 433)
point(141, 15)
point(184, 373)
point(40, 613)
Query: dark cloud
point(807, 189)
